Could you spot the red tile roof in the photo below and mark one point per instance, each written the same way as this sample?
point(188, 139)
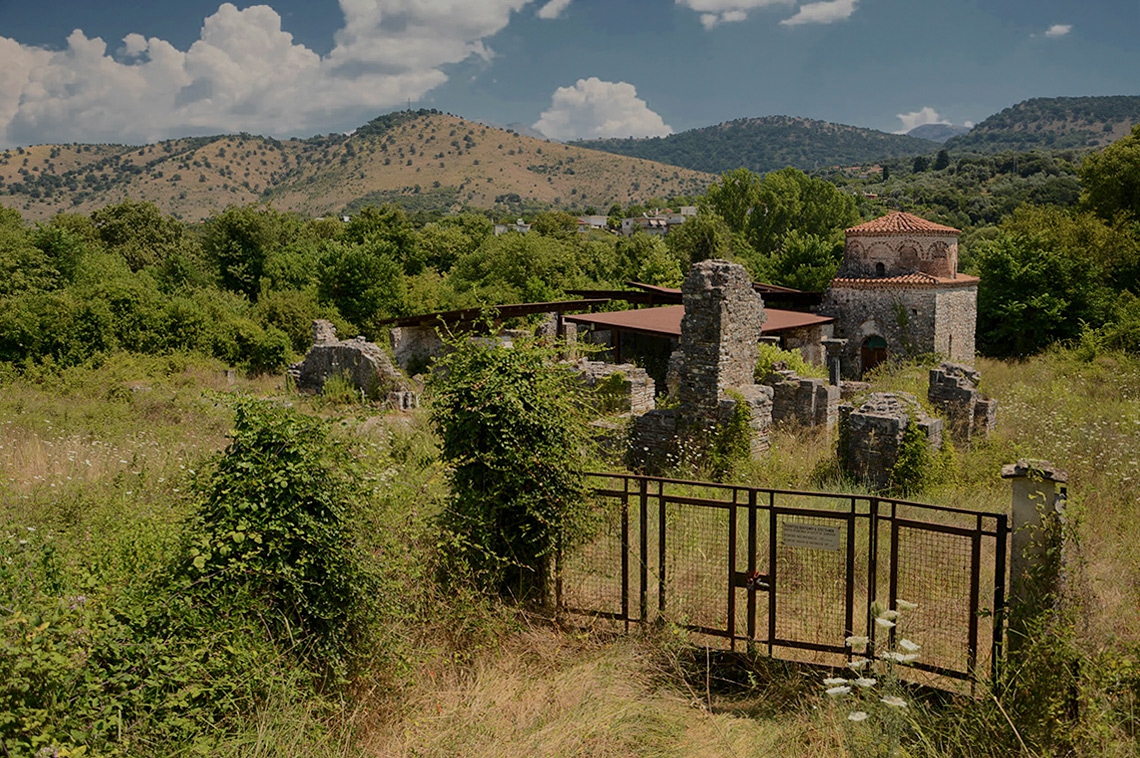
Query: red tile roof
point(897, 222)
point(906, 280)
point(665, 321)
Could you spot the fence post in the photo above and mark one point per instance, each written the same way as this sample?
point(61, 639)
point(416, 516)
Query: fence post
point(1037, 558)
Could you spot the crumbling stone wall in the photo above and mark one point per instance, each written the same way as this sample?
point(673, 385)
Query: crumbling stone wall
point(954, 389)
point(362, 363)
point(801, 401)
point(720, 332)
point(626, 388)
point(414, 347)
point(713, 370)
point(871, 435)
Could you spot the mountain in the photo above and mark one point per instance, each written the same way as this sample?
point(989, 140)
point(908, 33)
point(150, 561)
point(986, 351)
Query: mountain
point(422, 160)
point(938, 132)
point(1053, 122)
point(766, 144)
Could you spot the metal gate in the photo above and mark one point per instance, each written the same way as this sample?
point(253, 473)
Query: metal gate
point(791, 572)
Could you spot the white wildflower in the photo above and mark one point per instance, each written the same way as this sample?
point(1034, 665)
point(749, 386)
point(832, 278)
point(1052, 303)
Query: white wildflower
point(857, 716)
point(857, 643)
point(837, 691)
point(834, 680)
point(889, 615)
point(908, 658)
point(894, 701)
point(858, 664)
point(905, 605)
point(907, 645)
point(884, 622)
point(866, 682)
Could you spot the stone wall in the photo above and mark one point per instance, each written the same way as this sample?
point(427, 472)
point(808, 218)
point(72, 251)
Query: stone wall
point(870, 436)
point(414, 347)
point(904, 317)
point(797, 401)
point(954, 389)
point(935, 254)
point(362, 363)
point(720, 332)
point(624, 388)
point(713, 371)
point(957, 309)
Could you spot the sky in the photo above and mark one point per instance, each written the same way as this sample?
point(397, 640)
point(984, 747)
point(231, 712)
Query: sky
point(138, 71)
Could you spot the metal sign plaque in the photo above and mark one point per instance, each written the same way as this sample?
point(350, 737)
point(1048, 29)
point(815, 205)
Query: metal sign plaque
point(810, 536)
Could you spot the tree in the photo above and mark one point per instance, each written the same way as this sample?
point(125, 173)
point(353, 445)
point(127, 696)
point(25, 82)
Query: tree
point(510, 434)
point(363, 281)
point(700, 238)
point(942, 160)
point(921, 164)
point(238, 242)
point(140, 234)
point(1111, 178)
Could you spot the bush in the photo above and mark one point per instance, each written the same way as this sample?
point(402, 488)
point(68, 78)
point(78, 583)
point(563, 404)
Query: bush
point(276, 529)
point(509, 430)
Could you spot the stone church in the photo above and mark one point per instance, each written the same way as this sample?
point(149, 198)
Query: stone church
point(899, 292)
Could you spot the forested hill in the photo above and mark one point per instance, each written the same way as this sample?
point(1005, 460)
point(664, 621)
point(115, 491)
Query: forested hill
point(1053, 122)
point(420, 160)
point(768, 143)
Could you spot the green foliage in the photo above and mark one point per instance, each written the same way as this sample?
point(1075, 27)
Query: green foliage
point(1110, 179)
point(238, 242)
point(1049, 122)
point(510, 432)
point(767, 144)
point(703, 237)
point(917, 468)
point(770, 355)
point(732, 441)
point(140, 234)
point(1047, 273)
point(363, 281)
point(275, 528)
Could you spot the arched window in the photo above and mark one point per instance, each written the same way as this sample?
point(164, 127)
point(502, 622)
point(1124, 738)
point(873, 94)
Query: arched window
point(880, 269)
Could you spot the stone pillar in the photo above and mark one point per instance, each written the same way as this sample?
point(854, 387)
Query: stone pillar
point(719, 334)
point(834, 348)
point(1037, 553)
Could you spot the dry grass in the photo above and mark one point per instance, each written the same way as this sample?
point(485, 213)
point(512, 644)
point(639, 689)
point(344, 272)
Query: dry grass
point(547, 694)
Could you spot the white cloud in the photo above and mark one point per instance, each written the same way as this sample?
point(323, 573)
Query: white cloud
point(826, 12)
point(593, 108)
point(926, 115)
point(1058, 30)
point(715, 12)
point(553, 9)
point(243, 73)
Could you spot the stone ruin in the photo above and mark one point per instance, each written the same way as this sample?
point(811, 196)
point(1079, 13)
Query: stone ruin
point(364, 364)
point(870, 436)
point(714, 370)
point(954, 390)
point(799, 401)
point(621, 388)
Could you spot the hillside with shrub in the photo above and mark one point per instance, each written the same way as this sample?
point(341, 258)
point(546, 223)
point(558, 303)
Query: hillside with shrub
point(419, 160)
point(766, 144)
point(1058, 123)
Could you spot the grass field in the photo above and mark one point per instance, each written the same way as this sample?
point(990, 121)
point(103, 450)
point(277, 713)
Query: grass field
point(99, 464)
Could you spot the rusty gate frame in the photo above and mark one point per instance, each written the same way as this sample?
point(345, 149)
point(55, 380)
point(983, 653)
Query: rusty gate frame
point(642, 497)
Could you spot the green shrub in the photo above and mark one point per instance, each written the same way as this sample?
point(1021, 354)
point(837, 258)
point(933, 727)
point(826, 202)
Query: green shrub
point(770, 355)
point(509, 430)
point(275, 530)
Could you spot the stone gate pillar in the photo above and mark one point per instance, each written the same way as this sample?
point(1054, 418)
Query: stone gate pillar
point(1037, 553)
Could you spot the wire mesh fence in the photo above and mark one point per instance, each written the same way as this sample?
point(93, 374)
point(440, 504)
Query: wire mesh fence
point(795, 572)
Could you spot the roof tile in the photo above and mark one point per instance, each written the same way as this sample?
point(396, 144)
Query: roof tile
point(897, 222)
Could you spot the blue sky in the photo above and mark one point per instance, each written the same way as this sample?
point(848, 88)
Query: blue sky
point(134, 71)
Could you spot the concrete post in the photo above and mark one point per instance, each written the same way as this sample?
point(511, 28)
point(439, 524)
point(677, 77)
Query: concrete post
point(1037, 560)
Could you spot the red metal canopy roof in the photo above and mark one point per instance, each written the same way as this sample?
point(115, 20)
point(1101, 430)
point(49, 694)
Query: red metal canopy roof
point(666, 320)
